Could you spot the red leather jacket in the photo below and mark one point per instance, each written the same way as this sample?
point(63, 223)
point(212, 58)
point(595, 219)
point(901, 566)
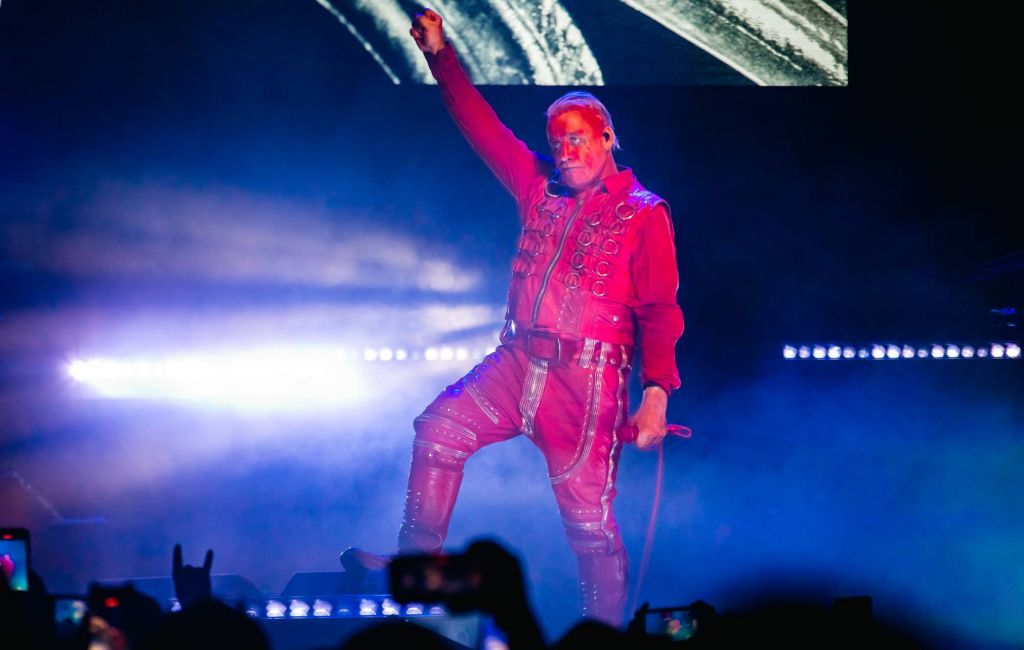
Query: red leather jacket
point(597, 265)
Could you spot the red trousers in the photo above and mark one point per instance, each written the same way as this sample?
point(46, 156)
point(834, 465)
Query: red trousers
point(570, 400)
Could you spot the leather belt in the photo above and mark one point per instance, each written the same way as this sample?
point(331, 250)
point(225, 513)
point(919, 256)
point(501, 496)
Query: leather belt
point(560, 350)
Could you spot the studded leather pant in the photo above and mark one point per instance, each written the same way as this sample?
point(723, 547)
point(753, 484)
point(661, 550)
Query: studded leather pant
point(571, 409)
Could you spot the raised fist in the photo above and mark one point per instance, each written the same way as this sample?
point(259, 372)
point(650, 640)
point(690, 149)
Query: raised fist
point(427, 31)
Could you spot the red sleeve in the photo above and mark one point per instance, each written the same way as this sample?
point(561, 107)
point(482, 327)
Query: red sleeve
point(659, 318)
point(507, 156)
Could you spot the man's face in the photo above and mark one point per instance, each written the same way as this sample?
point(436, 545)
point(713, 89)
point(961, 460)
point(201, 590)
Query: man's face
point(580, 148)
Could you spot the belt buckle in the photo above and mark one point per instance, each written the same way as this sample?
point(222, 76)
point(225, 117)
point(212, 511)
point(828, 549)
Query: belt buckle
point(544, 336)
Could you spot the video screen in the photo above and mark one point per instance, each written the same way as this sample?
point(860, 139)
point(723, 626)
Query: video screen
point(614, 42)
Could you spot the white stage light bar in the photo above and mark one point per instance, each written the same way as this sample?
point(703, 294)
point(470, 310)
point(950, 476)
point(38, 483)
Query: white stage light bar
point(901, 351)
point(339, 606)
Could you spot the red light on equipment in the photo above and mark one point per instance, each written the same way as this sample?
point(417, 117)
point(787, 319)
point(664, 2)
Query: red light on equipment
point(111, 602)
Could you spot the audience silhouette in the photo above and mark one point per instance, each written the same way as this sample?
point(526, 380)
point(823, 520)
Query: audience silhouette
point(122, 618)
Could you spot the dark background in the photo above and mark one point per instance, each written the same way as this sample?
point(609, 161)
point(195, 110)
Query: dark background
point(193, 174)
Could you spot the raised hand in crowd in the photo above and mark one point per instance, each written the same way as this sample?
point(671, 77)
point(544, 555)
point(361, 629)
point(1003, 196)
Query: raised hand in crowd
point(191, 584)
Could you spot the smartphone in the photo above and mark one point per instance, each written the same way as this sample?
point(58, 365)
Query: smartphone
point(675, 623)
point(14, 557)
point(434, 578)
point(68, 613)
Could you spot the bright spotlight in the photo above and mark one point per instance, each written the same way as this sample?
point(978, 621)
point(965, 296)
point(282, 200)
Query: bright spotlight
point(805, 352)
point(908, 352)
point(386, 354)
point(262, 379)
point(877, 352)
point(922, 353)
point(298, 609)
point(390, 608)
point(275, 609)
point(938, 351)
point(367, 607)
point(983, 352)
point(431, 354)
point(952, 352)
point(967, 352)
point(892, 351)
point(321, 608)
point(862, 353)
point(998, 351)
point(834, 352)
point(789, 352)
point(78, 370)
point(1013, 350)
point(447, 354)
point(461, 354)
point(414, 609)
point(818, 352)
point(401, 355)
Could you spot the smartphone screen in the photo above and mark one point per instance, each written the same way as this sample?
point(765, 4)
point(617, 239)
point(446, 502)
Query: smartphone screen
point(14, 559)
point(68, 614)
point(675, 624)
point(433, 578)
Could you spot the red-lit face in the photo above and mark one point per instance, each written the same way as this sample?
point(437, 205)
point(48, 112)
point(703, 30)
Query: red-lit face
point(581, 146)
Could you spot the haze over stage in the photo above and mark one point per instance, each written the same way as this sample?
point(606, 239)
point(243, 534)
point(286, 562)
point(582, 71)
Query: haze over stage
point(197, 183)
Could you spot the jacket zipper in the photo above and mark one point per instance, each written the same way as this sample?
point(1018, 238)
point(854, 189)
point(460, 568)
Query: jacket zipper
point(554, 260)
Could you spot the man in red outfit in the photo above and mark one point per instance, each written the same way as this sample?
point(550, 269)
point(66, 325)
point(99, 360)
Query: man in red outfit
point(595, 271)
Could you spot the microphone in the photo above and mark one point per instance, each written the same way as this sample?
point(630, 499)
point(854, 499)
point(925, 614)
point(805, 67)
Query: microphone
point(629, 432)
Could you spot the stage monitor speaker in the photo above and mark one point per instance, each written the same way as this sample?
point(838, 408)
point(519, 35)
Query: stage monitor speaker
point(316, 582)
point(335, 583)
